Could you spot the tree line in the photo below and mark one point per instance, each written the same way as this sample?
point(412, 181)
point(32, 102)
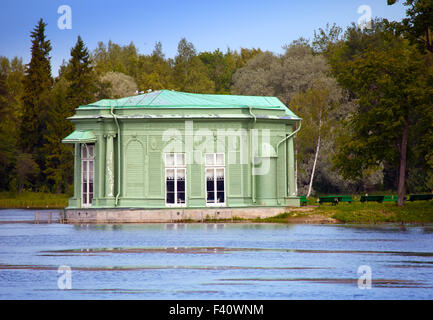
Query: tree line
point(34, 105)
point(365, 96)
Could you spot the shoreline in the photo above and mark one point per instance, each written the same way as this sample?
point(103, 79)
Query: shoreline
point(420, 213)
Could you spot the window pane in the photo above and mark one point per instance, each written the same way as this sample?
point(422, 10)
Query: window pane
point(210, 159)
point(83, 151)
point(181, 197)
point(84, 168)
point(170, 197)
point(220, 197)
point(220, 185)
point(180, 159)
point(84, 189)
point(91, 170)
point(220, 159)
point(180, 185)
point(169, 185)
point(210, 197)
point(210, 186)
point(90, 198)
point(181, 174)
point(170, 174)
point(90, 149)
point(169, 160)
point(219, 174)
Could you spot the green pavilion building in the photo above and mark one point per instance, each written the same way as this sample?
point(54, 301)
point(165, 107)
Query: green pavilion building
point(168, 156)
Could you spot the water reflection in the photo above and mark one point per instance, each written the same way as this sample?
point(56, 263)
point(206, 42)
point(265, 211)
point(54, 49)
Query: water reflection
point(215, 261)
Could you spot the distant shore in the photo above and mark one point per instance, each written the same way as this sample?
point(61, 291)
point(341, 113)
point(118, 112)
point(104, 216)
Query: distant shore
point(356, 212)
point(33, 200)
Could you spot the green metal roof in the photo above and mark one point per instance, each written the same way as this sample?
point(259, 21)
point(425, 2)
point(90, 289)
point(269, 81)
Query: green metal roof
point(174, 99)
point(80, 136)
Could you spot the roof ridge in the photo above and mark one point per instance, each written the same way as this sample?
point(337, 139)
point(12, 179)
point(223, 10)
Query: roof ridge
point(205, 96)
point(144, 96)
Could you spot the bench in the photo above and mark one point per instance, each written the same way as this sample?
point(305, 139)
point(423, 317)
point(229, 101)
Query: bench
point(303, 200)
point(378, 198)
point(372, 199)
point(418, 197)
point(335, 199)
point(390, 198)
point(345, 199)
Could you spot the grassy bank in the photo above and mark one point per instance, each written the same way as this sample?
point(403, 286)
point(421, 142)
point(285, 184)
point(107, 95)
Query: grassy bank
point(412, 212)
point(356, 212)
point(33, 200)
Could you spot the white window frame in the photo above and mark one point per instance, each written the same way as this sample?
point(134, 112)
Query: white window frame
point(85, 198)
point(176, 167)
point(215, 167)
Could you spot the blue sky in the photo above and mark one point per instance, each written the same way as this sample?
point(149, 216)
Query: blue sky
point(208, 24)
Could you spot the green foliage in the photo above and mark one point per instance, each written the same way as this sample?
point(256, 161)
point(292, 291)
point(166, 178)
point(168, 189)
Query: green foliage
point(80, 76)
point(189, 72)
point(120, 85)
point(26, 170)
point(300, 78)
point(59, 159)
point(356, 89)
point(37, 86)
point(76, 86)
point(418, 24)
point(388, 79)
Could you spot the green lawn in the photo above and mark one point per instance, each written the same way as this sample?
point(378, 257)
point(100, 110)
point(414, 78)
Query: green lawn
point(356, 212)
point(33, 200)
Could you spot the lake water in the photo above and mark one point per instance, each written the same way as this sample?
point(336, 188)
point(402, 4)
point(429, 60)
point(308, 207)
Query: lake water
point(212, 261)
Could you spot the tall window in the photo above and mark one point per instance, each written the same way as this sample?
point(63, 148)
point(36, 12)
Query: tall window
point(87, 173)
point(175, 179)
point(215, 179)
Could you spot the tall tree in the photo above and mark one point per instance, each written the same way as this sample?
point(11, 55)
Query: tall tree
point(389, 79)
point(316, 106)
point(37, 85)
point(190, 74)
point(80, 76)
point(154, 71)
point(74, 87)
point(418, 25)
point(121, 85)
point(299, 78)
point(11, 91)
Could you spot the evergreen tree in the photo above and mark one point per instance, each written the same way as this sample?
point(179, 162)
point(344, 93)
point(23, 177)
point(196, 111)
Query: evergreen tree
point(80, 76)
point(11, 91)
point(59, 159)
point(190, 74)
point(37, 85)
point(155, 72)
point(75, 87)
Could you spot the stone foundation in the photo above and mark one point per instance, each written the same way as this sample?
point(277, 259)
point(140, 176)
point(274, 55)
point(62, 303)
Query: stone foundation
point(124, 215)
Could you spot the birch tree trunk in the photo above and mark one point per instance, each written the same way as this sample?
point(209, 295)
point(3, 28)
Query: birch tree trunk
point(315, 159)
point(296, 171)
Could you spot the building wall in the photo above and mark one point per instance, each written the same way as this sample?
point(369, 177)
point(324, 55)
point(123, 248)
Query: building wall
point(142, 170)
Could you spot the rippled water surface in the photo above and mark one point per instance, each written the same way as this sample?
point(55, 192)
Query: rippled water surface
point(212, 261)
